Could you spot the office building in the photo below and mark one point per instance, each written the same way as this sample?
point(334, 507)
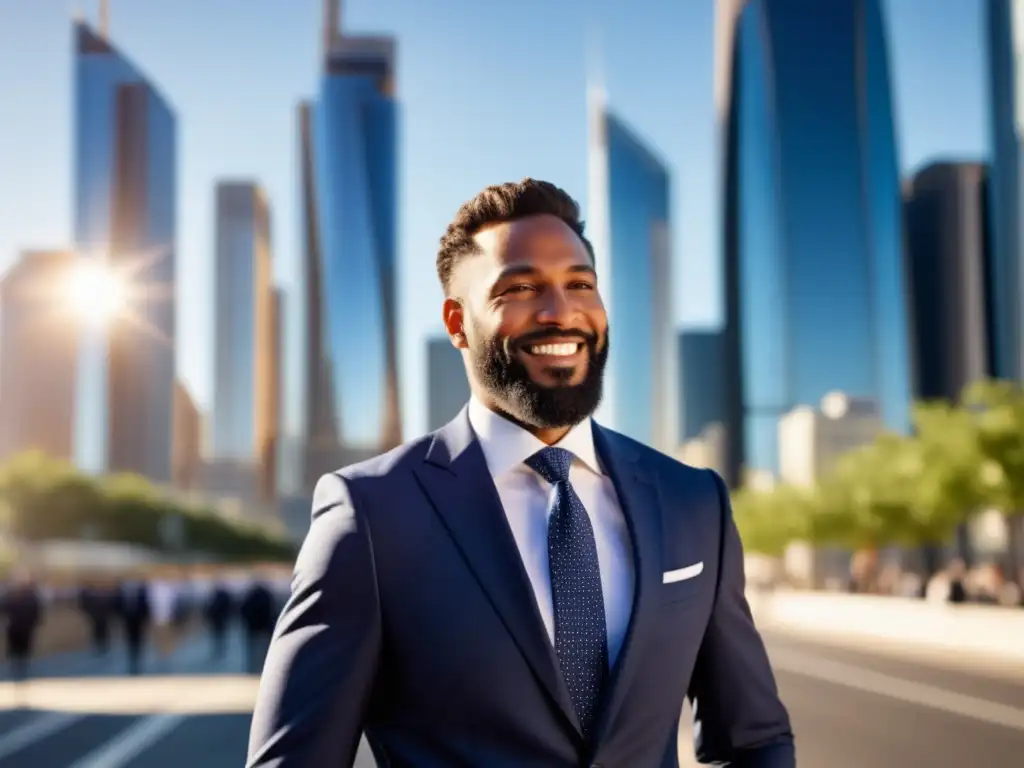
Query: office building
point(1004, 49)
point(628, 224)
point(349, 161)
point(245, 392)
point(812, 239)
point(811, 440)
point(948, 259)
point(38, 355)
point(125, 171)
point(447, 385)
point(701, 372)
point(188, 440)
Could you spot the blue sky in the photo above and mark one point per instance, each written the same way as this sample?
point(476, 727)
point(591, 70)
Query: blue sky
point(490, 91)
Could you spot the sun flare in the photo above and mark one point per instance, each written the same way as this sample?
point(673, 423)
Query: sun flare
point(96, 293)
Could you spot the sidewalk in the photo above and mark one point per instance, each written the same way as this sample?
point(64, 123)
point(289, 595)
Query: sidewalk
point(975, 636)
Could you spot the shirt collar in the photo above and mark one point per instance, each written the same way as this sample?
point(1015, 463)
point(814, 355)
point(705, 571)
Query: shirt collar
point(507, 445)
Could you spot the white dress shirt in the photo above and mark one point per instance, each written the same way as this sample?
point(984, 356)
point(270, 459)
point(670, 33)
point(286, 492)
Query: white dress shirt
point(526, 498)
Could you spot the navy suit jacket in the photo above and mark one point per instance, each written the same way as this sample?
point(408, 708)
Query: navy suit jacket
point(412, 619)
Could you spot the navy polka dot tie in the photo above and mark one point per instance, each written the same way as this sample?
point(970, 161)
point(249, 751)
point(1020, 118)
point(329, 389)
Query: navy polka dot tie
point(581, 640)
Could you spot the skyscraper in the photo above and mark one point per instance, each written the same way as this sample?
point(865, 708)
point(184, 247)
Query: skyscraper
point(629, 227)
point(700, 376)
point(447, 385)
point(350, 159)
point(124, 216)
point(815, 290)
point(245, 408)
point(1004, 30)
point(38, 356)
point(949, 262)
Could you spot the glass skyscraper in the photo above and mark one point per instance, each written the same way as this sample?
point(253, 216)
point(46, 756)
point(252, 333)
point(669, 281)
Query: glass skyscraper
point(949, 258)
point(815, 289)
point(125, 181)
point(628, 224)
point(1004, 45)
point(350, 205)
point(245, 408)
point(701, 372)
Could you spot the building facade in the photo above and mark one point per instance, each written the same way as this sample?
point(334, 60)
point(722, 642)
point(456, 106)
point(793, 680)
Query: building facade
point(1004, 31)
point(629, 226)
point(125, 182)
point(949, 262)
point(447, 385)
point(701, 372)
point(38, 356)
point(815, 290)
point(350, 178)
point(188, 440)
point(245, 392)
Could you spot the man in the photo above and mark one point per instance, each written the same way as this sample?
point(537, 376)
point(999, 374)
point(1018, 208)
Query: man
point(258, 614)
point(522, 587)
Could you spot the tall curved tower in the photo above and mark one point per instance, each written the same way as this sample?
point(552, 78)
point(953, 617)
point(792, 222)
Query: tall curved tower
point(812, 240)
point(350, 202)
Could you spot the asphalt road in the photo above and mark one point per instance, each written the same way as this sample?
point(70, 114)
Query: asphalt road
point(850, 709)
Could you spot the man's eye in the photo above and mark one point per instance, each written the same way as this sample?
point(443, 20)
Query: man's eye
point(582, 286)
point(520, 288)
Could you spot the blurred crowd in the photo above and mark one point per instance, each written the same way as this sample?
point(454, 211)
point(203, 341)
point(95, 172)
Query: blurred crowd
point(143, 616)
point(986, 583)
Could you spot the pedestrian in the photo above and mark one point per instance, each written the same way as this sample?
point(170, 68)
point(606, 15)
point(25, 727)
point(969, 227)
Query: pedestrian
point(217, 612)
point(22, 608)
point(522, 587)
point(135, 613)
point(258, 615)
point(98, 602)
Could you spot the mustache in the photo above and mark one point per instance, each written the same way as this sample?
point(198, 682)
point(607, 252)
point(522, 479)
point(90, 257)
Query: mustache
point(555, 334)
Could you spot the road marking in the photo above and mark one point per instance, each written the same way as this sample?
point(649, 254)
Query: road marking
point(131, 742)
point(861, 679)
point(37, 729)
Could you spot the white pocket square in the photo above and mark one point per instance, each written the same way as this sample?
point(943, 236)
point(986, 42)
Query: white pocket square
point(682, 574)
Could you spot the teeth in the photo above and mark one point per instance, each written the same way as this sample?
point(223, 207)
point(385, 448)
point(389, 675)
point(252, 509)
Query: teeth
point(561, 350)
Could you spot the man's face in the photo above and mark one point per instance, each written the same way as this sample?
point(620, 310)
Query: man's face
point(532, 321)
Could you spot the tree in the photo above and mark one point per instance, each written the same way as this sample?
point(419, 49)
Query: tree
point(47, 499)
point(998, 418)
point(769, 520)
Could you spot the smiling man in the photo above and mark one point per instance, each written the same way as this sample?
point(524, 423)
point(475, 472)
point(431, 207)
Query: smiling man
point(524, 586)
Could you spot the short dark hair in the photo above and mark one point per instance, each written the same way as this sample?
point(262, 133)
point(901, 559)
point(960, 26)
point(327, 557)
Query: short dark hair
point(499, 203)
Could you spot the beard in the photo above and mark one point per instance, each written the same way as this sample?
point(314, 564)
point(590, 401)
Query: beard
point(530, 403)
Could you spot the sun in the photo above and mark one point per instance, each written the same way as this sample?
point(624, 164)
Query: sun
point(96, 293)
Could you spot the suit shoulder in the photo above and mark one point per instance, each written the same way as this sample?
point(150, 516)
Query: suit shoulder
point(398, 460)
point(666, 466)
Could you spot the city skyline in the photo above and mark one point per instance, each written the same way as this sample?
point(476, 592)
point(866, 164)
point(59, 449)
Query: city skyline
point(636, 105)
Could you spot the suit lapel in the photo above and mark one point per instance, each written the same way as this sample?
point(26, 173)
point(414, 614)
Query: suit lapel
point(456, 478)
point(641, 506)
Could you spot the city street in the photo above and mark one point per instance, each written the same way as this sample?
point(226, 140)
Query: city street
point(850, 710)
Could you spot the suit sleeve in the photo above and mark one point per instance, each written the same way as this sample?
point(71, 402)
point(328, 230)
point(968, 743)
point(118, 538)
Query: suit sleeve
point(738, 717)
point(320, 669)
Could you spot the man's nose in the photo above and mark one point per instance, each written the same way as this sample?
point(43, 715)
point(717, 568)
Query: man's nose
point(558, 308)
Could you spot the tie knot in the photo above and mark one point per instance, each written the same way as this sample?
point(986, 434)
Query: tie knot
point(551, 463)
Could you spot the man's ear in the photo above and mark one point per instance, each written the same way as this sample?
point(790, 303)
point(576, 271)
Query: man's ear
point(454, 319)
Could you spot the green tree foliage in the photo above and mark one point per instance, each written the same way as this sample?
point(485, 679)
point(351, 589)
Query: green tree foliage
point(48, 499)
point(910, 490)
